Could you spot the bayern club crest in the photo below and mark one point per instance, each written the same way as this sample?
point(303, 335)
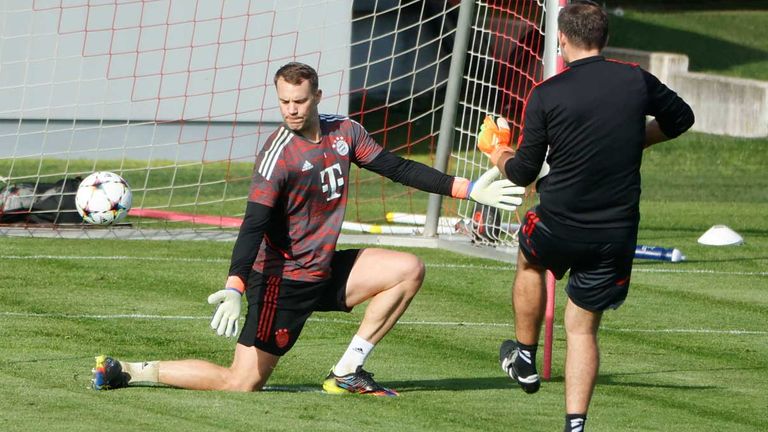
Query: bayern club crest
point(282, 337)
point(341, 146)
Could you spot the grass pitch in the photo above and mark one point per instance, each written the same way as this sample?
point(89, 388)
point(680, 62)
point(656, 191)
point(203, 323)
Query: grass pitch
point(687, 352)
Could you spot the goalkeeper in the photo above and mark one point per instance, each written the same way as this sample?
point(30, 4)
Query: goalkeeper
point(285, 261)
point(591, 118)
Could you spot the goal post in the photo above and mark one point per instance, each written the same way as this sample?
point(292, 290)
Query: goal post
point(512, 46)
point(177, 97)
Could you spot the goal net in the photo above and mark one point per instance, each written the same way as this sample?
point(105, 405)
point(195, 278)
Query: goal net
point(177, 97)
point(504, 62)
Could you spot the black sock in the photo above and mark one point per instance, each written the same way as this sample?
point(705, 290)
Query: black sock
point(575, 422)
point(526, 361)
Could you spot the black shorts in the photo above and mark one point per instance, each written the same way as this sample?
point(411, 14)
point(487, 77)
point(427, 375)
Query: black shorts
point(278, 308)
point(600, 272)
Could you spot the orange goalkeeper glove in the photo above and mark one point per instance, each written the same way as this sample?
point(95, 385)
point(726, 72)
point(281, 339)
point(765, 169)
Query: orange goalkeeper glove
point(493, 135)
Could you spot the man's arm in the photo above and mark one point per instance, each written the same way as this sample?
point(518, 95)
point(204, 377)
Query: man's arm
point(501, 156)
point(244, 253)
point(523, 166)
point(248, 241)
point(486, 190)
point(653, 134)
point(672, 115)
point(411, 173)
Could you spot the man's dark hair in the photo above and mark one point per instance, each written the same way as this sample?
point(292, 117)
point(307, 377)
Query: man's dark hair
point(585, 24)
point(296, 73)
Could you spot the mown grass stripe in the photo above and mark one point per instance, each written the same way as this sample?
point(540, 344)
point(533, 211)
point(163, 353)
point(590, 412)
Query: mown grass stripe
point(402, 322)
point(429, 265)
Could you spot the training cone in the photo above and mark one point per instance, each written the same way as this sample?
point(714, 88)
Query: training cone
point(720, 235)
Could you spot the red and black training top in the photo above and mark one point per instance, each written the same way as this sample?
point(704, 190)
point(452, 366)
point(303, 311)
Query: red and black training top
point(298, 196)
point(592, 118)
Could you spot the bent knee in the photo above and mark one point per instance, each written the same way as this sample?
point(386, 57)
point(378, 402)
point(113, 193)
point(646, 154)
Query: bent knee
point(419, 269)
point(412, 268)
point(413, 272)
point(236, 383)
point(244, 386)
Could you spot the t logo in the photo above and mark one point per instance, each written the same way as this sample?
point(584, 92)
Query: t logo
point(334, 181)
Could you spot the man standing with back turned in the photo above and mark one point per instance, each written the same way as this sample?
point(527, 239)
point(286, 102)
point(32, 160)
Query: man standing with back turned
point(285, 258)
point(592, 117)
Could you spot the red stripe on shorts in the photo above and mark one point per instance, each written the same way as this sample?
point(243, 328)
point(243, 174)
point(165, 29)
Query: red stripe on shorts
point(530, 225)
point(268, 308)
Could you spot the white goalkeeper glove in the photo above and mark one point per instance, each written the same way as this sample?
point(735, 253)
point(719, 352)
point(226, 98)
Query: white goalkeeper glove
point(227, 311)
point(501, 194)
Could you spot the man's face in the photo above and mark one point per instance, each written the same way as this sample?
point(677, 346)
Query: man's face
point(298, 104)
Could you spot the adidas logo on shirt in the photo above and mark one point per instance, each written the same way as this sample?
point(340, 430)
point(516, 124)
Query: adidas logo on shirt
point(307, 166)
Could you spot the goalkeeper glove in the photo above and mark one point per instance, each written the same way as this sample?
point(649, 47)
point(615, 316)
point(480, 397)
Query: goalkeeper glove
point(227, 311)
point(493, 135)
point(502, 194)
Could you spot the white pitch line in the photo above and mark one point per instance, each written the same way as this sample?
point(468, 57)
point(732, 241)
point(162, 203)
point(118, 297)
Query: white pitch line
point(402, 322)
point(102, 317)
point(429, 265)
point(698, 271)
point(111, 258)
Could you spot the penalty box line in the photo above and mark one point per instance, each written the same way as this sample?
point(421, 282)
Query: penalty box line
point(150, 317)
point(429, 265)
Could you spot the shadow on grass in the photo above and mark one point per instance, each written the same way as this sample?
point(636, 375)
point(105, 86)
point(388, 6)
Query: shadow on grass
point(610, 380)
point(705, 52)
point(448, 384)
point(491, 383)
point(616, 378)
point(47, 360)
point(501, 383)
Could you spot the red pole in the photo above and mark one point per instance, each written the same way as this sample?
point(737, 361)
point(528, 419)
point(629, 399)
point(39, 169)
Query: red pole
point(549, 313)
point(549, 324)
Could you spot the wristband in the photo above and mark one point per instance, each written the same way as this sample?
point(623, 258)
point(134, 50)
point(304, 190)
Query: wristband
point(236, 284)
point(461, 188)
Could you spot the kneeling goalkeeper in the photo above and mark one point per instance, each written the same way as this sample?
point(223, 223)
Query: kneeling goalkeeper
point(285, 259)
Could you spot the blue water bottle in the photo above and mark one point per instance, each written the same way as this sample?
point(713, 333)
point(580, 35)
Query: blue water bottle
point(659, 253)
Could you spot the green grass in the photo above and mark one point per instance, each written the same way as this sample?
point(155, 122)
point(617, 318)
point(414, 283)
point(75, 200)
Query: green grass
point(658, 372)
point(669, 361)
point(726, 42)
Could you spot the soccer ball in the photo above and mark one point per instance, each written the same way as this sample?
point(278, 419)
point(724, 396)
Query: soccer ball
point(103, 198)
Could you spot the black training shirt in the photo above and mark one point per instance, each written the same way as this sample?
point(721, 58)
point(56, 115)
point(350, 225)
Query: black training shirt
point(592, 117)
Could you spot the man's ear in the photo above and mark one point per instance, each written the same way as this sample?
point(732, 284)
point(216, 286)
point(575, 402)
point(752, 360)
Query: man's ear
point(561, 39)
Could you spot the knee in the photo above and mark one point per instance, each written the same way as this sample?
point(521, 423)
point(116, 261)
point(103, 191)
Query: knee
point(236, 383)
point(419, 270)
point(413, 272)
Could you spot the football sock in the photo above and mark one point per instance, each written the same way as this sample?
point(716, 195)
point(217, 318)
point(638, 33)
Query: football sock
point(355, 355)
point(141, 372)
point(575, 422)
point(525, 363)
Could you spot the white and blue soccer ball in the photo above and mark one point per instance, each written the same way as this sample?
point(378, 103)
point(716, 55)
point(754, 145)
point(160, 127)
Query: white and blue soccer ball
point(103, 198)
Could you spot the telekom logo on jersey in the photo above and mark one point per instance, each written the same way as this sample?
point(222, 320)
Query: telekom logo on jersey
point(332, 181)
